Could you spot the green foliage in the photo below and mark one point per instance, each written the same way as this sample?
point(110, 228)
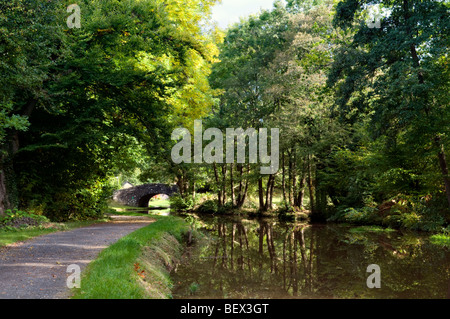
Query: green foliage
point(441, 240)
point(20, 219)
point(285, 213)
point(208, 207)
point(361, 216)
point(178, 203)
point(389, 83)
point(362, 112)
point(90, 103)
point(84, 204)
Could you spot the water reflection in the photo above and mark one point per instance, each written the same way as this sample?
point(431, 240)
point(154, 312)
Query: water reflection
point(265, 259)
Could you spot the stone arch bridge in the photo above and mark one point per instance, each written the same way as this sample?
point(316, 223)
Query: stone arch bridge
point(138, 196)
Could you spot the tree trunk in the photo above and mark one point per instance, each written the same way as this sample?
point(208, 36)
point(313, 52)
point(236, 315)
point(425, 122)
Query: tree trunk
point(294, 179)
point(261, 194)
point(4, 202)
point(301, 192)
point(269, 181)
point(8, 186)
point(290, 181)
point(283, 179)
point(233, 202)
point(224, 183)
point(271, 192)
point(219, 191)
point(243, 193)
point(444, 167)
point(310, 187)
point(238, 196)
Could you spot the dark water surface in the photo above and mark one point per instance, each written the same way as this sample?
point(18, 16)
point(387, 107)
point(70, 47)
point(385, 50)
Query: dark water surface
point(263, 258)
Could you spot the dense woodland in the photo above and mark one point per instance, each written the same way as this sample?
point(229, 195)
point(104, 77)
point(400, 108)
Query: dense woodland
point(363, 112)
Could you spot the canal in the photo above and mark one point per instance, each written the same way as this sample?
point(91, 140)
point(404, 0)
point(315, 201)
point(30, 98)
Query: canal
point(240, 258)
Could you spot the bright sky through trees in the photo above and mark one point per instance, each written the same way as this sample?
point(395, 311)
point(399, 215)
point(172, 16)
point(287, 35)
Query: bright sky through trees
point(229, 11)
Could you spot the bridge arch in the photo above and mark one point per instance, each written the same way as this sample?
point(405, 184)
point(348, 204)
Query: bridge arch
point(139, 196)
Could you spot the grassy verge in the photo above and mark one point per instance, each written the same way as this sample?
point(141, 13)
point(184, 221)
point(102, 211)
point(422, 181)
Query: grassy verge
point(159, 203)
point(12, 235)
point(138, 265)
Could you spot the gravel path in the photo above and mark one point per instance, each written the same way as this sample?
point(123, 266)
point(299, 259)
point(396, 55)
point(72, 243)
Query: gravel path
point(37, 268)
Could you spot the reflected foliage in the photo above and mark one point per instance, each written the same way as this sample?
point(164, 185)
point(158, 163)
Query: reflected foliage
point(266, 259)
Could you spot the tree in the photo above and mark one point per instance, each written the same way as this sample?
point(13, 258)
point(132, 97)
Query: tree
point(29, 41)
point(248, 48)
point(134, 69)
point(397, 73)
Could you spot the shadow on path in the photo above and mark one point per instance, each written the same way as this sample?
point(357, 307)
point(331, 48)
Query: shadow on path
point(37, 268)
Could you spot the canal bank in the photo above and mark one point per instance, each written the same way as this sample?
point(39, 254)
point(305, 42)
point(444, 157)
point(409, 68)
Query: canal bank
point(138, 265)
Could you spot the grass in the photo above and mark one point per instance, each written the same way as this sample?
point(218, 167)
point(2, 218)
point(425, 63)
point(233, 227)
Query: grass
point(135, 267)
point(159, 203)
point(13, 235)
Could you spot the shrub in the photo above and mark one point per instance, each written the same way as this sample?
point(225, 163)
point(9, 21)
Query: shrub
point(364, 215)
point(19, 219)
point(208, 207)
point(178, 203)
point(416, 213)
point(81, 205)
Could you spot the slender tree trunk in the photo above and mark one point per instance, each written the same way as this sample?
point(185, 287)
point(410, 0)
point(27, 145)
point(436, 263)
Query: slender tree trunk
point(269, 181)
point(290, 195)
point(271, 192)
point(232, 246)
point(301, 189)
point(224, 183)
point(310, 186)
point(4, 202)
point(283, 179)
point(233, 202)
point(261, 194)
point(444, 167)
point(219, 190)
point(8, 186)
point(294, 179)
point(239, 194)
point(244, 195)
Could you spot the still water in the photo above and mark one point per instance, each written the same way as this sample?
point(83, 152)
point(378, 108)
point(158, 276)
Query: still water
point(263, 258)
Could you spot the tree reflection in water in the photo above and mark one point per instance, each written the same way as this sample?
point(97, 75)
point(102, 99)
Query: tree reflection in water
point(266, 259)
